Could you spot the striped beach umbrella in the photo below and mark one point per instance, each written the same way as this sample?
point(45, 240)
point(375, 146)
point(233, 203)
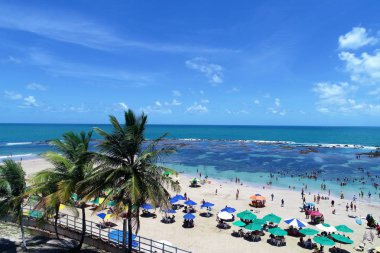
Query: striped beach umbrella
point(295, 223)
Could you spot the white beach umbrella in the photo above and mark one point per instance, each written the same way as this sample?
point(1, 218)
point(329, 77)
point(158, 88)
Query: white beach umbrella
point(326, 227)
point(224, 216)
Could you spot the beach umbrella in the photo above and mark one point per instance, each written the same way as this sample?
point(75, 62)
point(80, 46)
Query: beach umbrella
point(147, 206)
point(277, 231)
point(259, 221)
point(326, 227)
point(344, 229)
point(170, 211)
point(225, 216)
point(316, 213)
point(173, 200)
point(323, 240)
point(257, 197)
point(246, 215)
point(74, 196)
point(239, 223)
point(117, 236)
point(97, 201)
point(295, 223)
point(310, 204)
point(308, 231)
point(35, 213)
point(272, 218)
point(61, 207)
point(342, 239)
point(228, 209)
point(207, 204)
point(190, 203)
point(111, 203)
point(167, 173)
point(253, 227)
point(189, 216)
point(101, 215)
point(179, 197)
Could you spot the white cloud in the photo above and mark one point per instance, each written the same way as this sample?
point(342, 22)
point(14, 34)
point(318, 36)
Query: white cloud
point(356, 38)
point(174, 102)
point(30, 101)
point(213, 72)
point(256, 102)
point(80, 109)
point(123, 106)
point(375, 92)
point(12, 95)
point(202, 92)
point(196, 109)
point(237, 112)
point(205, 101)
point(337, 98)
point(176, 93)
point(277, 102)
point(234, 89)
point(72, 28)
point(276, 111)
point(363, 69)
point(36, 86)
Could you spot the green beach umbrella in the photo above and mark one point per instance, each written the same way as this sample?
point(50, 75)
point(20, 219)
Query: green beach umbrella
point(323, 240)
point(246, 215)
point(253, 227)
point(272, 218)
point(239, 223)
point(35, 214)
point(167, 173)
point(111, 203)
point(259, 222)
point(277, 231)
point(344, 229)
point(74, 196)
point(342, 239)
point(308, 231)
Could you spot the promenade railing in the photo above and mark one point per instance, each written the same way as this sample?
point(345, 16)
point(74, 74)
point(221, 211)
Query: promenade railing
point(97, 230)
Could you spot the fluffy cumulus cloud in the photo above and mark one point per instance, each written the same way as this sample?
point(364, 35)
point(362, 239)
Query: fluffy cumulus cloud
point(30, 101)
point(196, 109)
point(213, 72)
point(338, 98)
point(36, 86)
point(356, 38)
point(364, 68)
point(276, 108)
point(161, 108)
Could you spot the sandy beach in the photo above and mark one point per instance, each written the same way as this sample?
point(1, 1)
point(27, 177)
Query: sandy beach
point(206, 237)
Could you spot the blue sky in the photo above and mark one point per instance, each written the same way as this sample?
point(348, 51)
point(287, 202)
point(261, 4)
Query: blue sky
point(191, 62)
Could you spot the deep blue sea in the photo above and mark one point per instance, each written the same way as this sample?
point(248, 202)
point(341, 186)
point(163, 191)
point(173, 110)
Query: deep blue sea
point(252, 153)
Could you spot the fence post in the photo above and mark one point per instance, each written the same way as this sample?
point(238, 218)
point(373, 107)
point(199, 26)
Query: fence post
point(151, 245)
point(139, 243)
point(163, 248)
point(124, 232)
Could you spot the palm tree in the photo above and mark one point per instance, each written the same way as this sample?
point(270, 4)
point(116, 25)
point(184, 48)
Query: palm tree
point(57, 185)
point(12, 192)
point(127, 166)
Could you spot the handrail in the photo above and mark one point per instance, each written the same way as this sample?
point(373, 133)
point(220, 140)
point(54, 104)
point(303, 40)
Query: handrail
point(95, 230)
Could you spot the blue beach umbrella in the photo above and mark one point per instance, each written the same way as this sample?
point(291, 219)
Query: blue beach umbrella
point(189, 216)
point(173, 200)
point(117, 236)
point(228, 209)
point(170, 211)
point(101, 215)
point(310, 204)
point(207, 204)
point(295, 223)
point(147, 206)
point(179, 197)
point(190, 203)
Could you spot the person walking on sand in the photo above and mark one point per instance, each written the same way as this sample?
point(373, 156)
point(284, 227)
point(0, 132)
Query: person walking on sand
point(332, 203)
point(216, 191)
point(282, 202)
point(237, 194)
point(272, 196)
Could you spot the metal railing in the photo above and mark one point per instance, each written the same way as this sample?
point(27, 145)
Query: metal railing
point(107, 234)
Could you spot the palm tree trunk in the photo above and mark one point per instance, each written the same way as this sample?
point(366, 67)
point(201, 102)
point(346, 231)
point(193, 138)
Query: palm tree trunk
point(56, 221)
point(129, 249)
point(83, 227)
point(22, 233)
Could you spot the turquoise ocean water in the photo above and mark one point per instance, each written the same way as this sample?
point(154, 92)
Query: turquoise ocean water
point(252, 153)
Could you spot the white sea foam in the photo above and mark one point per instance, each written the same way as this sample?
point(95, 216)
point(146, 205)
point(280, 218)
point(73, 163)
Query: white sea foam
point(13, 156)
point(18, 143)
